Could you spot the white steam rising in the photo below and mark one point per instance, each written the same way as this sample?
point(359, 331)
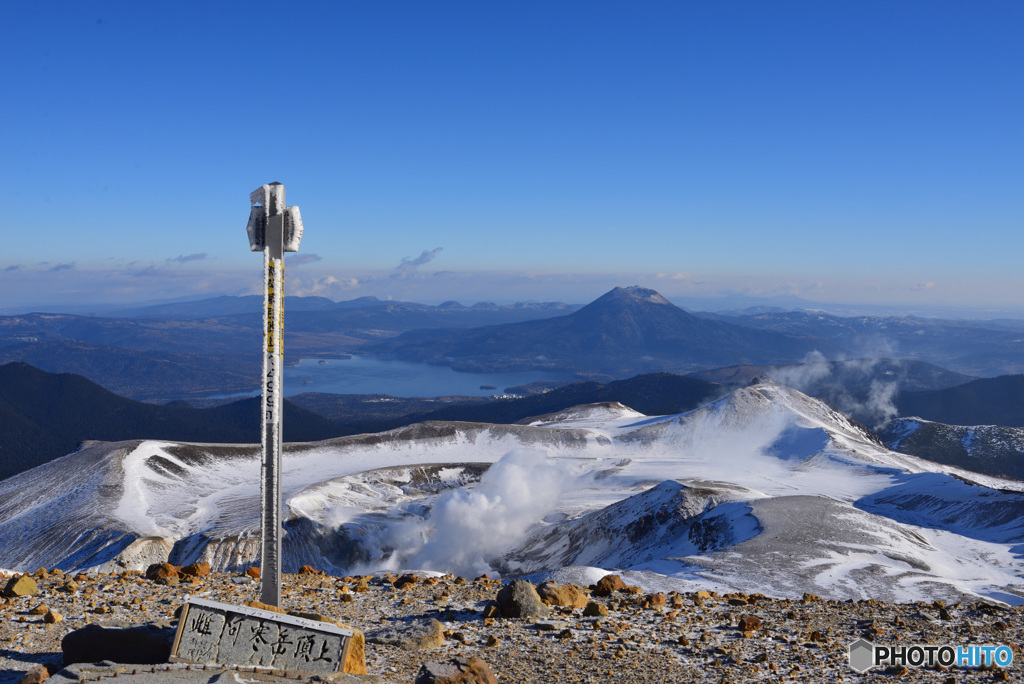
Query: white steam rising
point(469, 526)
point(831, 380)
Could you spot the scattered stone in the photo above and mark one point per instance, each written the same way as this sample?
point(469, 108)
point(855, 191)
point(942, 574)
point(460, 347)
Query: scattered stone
point(36, 675)
point(308, 570)
point(405, 581)
point(41, 609)
point(253, 572)
point(550, 625)
point(569, 595)
point(748, 623)
point(456, 671)
point(409, 636)
point(21, 586)
point(52, 618)
point(519, 599)
point(608, 585)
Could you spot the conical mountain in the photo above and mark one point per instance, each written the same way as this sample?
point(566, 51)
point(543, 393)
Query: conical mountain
point(626, 331)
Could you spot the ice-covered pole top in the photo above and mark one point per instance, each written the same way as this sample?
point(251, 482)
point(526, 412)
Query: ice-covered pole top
point(268, 200)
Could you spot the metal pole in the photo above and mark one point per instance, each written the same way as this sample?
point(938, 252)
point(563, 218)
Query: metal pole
point(273, 392)
point(274, 229)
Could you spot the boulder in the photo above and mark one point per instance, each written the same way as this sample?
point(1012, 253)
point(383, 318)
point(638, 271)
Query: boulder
point(562, 595)
point(519, 599)
point(657, 601)
point(409, 636)
point(594, 609)
point(456, 671)
point(37, 675)
point(21, 586)
point(405, 581)
point(159, 571)
point(144, 644)
point(196, 570)
point(748, 623)
point(608, 585)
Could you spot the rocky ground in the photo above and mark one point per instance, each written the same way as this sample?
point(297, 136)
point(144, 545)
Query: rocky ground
point(627, 636)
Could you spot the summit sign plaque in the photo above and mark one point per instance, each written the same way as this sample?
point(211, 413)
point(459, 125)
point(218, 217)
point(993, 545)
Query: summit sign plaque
point(213, 633)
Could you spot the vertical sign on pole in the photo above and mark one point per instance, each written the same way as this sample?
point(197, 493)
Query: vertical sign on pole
point(274, 229)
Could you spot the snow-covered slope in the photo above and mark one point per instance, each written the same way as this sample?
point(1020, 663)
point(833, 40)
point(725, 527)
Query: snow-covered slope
point(991, 449)
point(762, 490)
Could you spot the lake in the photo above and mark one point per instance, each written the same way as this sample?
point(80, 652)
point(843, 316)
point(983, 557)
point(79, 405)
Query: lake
point(369, 375)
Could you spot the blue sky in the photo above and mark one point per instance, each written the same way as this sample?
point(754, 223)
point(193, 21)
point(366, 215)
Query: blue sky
point(844, 152)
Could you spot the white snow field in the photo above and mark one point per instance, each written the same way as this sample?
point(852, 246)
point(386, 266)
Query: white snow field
point(764, 490)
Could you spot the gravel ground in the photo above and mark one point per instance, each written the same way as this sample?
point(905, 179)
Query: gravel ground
point(692, 637)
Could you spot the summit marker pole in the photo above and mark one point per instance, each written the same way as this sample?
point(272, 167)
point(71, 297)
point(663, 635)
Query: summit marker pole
point(274, 229)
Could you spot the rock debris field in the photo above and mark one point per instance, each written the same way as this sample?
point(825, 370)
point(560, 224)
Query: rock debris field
point(607, 632)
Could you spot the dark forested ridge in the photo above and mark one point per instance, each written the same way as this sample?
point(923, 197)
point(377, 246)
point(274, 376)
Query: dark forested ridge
point(45, 415)
point(988, 401)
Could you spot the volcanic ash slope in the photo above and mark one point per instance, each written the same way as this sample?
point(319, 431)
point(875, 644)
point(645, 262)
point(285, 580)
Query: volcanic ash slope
point(764, 490)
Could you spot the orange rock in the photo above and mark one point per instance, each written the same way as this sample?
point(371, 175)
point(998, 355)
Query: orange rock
point(607, 585)
point(748, 623)
point(158, 571)
point(196, 569)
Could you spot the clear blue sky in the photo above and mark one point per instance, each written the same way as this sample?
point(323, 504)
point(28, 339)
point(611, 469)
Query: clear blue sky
point(857, 152)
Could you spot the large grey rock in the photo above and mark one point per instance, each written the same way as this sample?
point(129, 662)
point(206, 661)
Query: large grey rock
point(519, 599)
point(144, 644)
point(409, 636)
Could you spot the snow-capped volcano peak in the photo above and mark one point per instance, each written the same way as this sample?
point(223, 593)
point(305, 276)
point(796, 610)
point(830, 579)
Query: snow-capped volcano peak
point(764, 489)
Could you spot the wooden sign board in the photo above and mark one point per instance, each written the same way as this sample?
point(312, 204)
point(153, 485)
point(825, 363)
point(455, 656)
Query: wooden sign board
point(210, 632)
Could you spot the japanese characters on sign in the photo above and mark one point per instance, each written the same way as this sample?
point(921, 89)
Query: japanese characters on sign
point(219, 633)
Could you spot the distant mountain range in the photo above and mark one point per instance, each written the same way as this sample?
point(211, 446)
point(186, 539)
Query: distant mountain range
point(627, 331)
point(211, 346)
point(978, 348)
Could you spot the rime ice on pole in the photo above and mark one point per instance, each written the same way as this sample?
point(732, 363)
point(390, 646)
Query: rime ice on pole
point(269, 200)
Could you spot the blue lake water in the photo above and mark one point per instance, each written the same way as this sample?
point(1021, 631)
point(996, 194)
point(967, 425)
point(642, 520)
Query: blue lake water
point(369, 375)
